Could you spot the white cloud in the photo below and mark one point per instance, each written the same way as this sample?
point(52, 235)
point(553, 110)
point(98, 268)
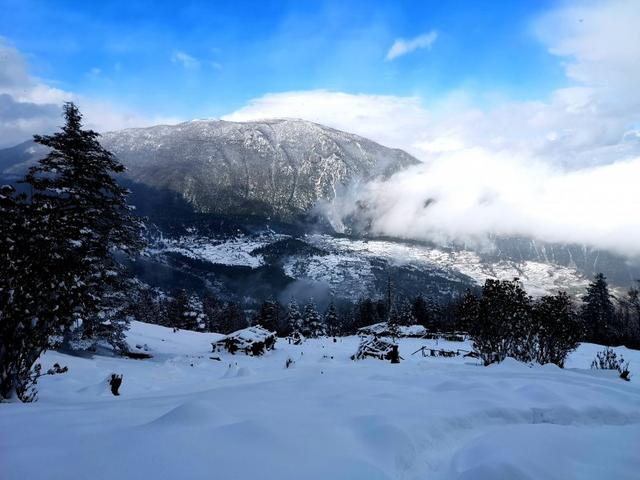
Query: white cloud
point(402, 47)
point(562, 169)
point(186, 60)
point(28, 105)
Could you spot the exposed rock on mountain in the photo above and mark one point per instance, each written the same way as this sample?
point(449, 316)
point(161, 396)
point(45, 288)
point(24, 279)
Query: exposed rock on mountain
point(278, 168)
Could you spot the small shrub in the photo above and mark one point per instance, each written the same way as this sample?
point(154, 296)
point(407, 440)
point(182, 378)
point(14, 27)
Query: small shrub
point(608, 359)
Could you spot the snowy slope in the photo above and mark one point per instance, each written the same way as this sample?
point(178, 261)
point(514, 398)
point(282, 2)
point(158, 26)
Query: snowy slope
point(184, 415)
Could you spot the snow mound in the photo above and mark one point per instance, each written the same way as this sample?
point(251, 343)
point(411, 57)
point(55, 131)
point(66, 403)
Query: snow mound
point(192, 413)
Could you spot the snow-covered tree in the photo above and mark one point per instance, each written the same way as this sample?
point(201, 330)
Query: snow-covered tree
point(293, 319)
point(59, 266)
point(332, 320)
point(89, 210)
point(313, 326)
point(393, 322)
point(269, 316)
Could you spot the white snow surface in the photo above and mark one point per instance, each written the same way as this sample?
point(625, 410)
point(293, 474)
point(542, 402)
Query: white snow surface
point(183, 415)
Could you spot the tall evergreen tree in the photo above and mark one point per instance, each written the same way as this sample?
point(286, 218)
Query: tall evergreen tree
point(178, 309)
point(232, 318)
point(145, 308)
point(269, 316)
point(59, 270)
point(332, 320)
point(313, 326)
point(89, 211)
point(598, 313)
point(406, 317)
point(211, 308)
point(393, 322)
point(293, 319)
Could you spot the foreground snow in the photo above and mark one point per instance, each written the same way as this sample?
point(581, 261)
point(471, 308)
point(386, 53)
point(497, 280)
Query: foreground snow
point(184, 415)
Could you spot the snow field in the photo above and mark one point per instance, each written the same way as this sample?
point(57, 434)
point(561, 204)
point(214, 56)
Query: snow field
point(184, 415)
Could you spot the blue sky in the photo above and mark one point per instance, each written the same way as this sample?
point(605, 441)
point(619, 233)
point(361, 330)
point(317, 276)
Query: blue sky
point(204, 59)
point(534, 104)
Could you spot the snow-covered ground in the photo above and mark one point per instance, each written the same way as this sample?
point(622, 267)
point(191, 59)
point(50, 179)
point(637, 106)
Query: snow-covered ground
point(184, 415)
point(233, 251)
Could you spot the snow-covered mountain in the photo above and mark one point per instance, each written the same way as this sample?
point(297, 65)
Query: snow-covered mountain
point(204, 173)
point(278, 168)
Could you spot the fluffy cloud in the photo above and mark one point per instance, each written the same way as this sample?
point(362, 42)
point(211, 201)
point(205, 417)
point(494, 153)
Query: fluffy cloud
point(28, 105)
point(402, 47)
point(564, 169)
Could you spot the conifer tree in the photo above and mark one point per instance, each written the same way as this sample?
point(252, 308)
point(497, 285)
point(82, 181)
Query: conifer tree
point(211, 308)
point(598, 313)
point(58, 268)
point(146, 309)
point(88, 212)
point(313, 326)
point(406, 317)
point(332, 320)
point(294, 320)
point(177, 310)
point(393, 322)
point(269, 316)
point(232, 318)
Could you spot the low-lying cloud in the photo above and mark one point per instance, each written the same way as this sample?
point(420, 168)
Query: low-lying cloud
point(563, 169)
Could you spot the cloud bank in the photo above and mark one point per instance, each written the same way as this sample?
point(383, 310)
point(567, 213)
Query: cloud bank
point(563, 169)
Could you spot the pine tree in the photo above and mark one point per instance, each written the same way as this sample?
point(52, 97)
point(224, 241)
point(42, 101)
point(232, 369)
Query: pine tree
point(313, 326)
point(177, 309)
point(57, 267)
point(232, 318)
point(406, 317)
point(269, 316)
point(393, 322)
point(332, 320)
point(194, 318)
point(38, 293)
point(211, 308)
point(598, 313)
point(293, 320)
point(146, 309)
point(88, 213)
point(630, 317)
